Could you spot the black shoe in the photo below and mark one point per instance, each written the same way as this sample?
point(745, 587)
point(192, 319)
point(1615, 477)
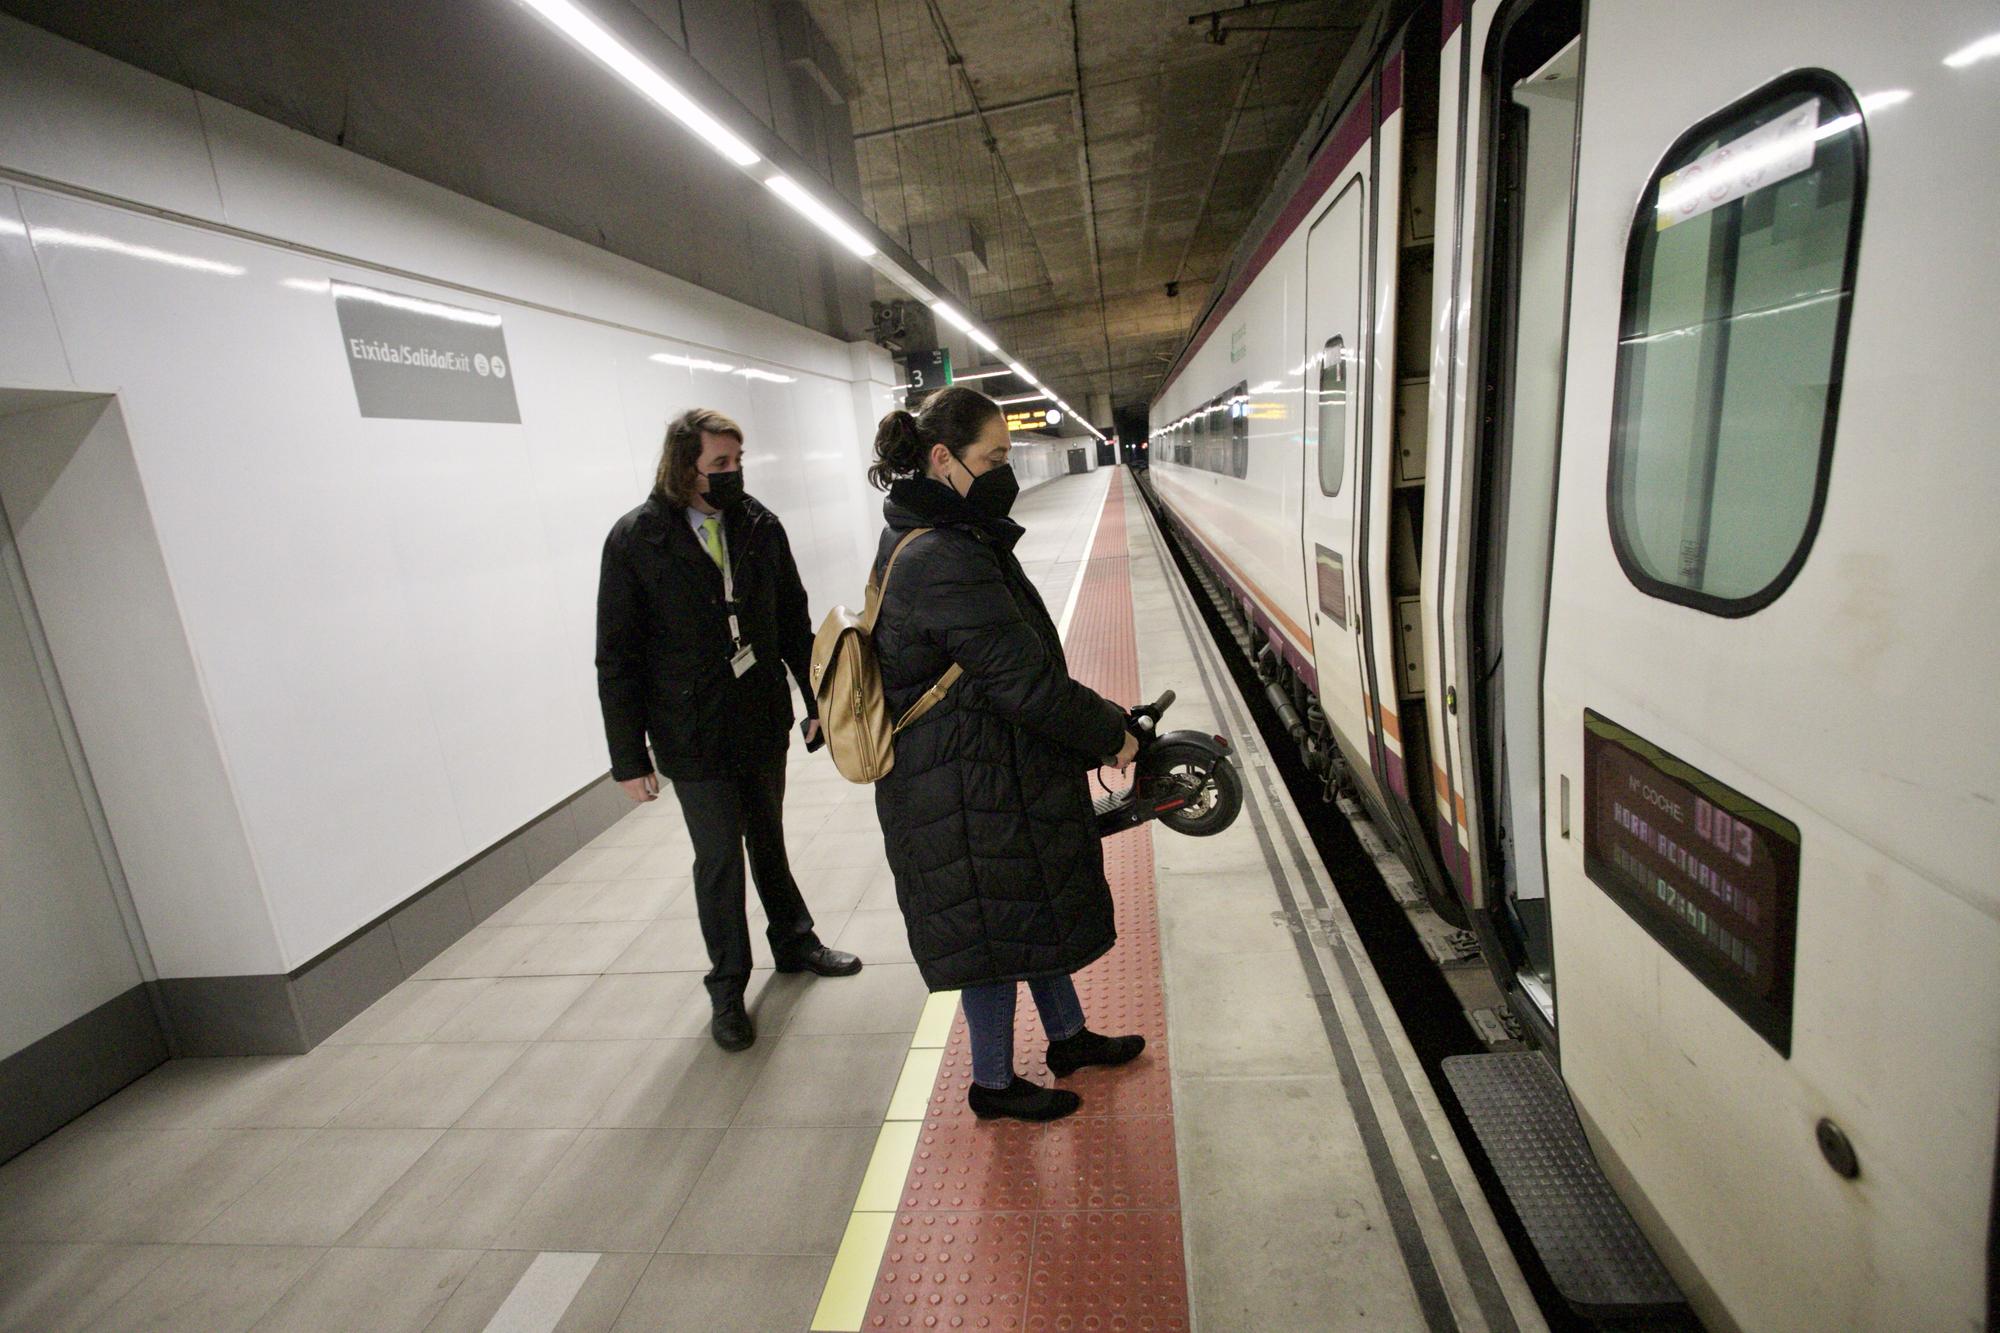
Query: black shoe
point(1022, 1100)
point(731, 1027)
point(1091, 1048)
point(824, 961)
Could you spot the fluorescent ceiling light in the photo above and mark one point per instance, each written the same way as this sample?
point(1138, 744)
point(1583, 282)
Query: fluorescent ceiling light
point(691, 362)
point(1023, 398)
point(984, 341)
point(1983, 49)
point(752, 373)
point(83, 240)
point(621, 60)
point(957, 378)
point(820, 215)
point(949, 314)
point(415, 305)
point(1020, 370)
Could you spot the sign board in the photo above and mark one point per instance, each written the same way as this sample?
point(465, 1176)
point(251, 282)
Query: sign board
point(1766, 155)
point(416, 359)
point(1709, 873)
point(1039, 418)
point(928, 372)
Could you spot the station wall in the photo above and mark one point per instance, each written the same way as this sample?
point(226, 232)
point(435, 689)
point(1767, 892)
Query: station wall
point(384, 626)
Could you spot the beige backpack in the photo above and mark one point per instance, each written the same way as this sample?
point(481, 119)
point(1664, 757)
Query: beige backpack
point(847, 682)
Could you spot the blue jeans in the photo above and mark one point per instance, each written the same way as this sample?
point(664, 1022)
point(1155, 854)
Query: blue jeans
point(989, 1020)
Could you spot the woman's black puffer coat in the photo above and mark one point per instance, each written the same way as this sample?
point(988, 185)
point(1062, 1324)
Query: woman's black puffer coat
point(987, 813)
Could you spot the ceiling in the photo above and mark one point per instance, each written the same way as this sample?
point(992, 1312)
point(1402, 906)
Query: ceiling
point(1101, 149)
point(1092, 151)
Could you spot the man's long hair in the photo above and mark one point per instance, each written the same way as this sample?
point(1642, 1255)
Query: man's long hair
point(675, 479)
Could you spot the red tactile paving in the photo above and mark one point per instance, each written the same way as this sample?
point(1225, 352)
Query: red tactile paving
point(1075, 1225)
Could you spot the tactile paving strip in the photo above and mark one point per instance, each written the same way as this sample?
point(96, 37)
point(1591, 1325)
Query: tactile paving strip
point(1075, 1225)
point(1594, 1251)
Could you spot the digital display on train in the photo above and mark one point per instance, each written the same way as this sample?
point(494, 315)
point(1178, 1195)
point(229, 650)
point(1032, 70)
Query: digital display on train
point(1710, 874)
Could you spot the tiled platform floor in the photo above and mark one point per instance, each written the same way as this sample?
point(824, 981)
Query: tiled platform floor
point(546, 1085)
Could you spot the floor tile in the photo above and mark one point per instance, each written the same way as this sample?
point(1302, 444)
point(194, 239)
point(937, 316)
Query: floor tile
point(513, 1009)
point(861, 847)
point(638, 899)
point(684, 1082)
point(310, 1090)
point(593, 1310)
point(486, 951)
point(615, 1189)
point(213, 1288)
point(554, 1085)
point(181, 1094)
point(464, 1191)
point(884, 997)
point(834, 889)
point(826, 1079)
point(320, 1190)
point(877, 937)
point(986, 1258)
point(671, 944)
point(670, 856)
point(382, 1291)
point(1210, 995)
point(183, 1180)
point(577, 948)
point(594, 863)
point(546, 904)
point(412, 1012)
point(1213, 915)
point(774, 1191)
point(771, 997)
point(627, 1005)
point(431, 1089)
point(1112, 1269)
point(59, 1288)
point(726, 1293)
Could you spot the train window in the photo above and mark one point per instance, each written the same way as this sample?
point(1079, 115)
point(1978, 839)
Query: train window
point(1739, 278)
point(1239, 430)
point(1332, 415)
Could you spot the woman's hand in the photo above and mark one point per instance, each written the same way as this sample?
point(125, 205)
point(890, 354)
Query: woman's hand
point(812, 730)
point(1126, 753)
point(642, 790)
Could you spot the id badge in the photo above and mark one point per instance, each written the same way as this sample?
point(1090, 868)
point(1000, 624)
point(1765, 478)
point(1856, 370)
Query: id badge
point(743, 659)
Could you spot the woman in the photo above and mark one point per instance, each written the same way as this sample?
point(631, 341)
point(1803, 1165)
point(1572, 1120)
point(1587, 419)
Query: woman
point(987, 812)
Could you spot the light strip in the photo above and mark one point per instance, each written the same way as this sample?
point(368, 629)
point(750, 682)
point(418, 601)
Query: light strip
point(621, 60)
point(1027, 398)
point(416, 305)
point(1983, 49)
point(820, 215)
point(691, 362)
point(957, 378)
point(949, 314)
point(83, 240)
point(985, 343)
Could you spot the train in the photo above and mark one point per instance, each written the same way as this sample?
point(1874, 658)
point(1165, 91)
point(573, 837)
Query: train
point(1595, 428)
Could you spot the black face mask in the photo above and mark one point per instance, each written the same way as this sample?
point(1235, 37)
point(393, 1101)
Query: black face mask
point(992, 492)
point(725, 489)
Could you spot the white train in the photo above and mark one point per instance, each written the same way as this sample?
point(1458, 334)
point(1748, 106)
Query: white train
point(1601, 437)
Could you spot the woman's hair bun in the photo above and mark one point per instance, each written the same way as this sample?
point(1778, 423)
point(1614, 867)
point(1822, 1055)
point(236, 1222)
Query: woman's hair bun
point(953, 417)
point(899, 450)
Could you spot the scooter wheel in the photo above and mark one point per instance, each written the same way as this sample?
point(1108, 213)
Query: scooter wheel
point(1214, 805)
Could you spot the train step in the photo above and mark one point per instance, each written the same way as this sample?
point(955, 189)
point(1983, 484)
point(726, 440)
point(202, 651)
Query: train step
point(1594, 1252)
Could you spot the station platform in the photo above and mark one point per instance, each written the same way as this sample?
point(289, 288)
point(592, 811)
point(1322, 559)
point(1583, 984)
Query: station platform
point(535, 1132)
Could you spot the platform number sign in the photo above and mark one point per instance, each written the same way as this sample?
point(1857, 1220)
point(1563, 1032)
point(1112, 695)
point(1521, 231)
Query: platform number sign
point(928, 372)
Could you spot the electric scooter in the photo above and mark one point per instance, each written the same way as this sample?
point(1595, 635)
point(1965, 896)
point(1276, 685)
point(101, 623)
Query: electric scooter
point(1184, 779)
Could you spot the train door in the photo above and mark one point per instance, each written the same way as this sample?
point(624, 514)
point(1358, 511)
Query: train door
point(1533, 69)
point(1334, 306)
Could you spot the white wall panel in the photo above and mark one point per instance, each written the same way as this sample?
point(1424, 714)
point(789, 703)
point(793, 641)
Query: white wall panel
point(30, 350)
point(68, 114)
point(392, 620)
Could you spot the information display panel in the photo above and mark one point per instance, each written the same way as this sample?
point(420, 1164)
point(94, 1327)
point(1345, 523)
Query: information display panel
point(1712, 875)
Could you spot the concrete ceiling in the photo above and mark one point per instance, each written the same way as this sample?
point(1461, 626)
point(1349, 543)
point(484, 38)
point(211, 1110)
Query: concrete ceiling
point(1101, 148)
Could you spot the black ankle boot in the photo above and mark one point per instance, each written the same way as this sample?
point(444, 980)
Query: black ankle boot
point(1022, 1100)
point(1092, 1048)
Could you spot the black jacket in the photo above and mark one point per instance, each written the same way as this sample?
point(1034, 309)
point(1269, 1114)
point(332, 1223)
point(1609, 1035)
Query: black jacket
point(663, 644)
point(987, 813)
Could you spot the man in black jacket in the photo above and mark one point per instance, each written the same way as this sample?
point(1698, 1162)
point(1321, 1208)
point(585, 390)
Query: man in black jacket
point(699, 611)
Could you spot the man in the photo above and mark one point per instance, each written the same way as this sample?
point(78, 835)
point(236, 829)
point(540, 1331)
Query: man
point(699, 611)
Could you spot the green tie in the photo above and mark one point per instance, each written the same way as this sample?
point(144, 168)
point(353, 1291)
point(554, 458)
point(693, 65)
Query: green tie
point(711, 538)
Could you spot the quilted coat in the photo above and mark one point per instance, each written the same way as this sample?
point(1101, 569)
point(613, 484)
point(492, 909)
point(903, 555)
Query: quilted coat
point(663, 645)
point(987, 813)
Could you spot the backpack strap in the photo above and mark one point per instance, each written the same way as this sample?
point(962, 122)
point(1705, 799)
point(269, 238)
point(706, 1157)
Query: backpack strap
point(876, 591)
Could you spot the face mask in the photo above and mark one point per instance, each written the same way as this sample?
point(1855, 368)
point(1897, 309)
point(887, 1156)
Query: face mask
point(992, 492)
point(725, 489)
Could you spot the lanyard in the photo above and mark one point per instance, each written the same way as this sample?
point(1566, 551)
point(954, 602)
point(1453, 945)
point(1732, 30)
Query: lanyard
point(728, 582)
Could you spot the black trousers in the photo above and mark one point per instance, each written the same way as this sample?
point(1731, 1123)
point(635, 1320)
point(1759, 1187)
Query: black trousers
point(723, 815)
